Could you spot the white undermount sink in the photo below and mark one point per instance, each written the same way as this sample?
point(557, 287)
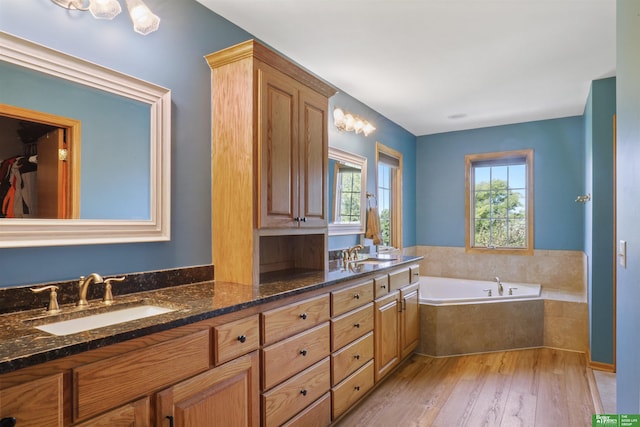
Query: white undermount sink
point(95, 321)
point(374, 260)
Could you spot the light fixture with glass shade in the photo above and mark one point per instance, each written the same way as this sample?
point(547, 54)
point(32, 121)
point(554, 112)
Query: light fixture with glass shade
point(144, 21)
point(351, 123)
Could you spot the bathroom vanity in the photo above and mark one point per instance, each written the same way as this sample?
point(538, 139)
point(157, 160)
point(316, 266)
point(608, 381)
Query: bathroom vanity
point(290, 352)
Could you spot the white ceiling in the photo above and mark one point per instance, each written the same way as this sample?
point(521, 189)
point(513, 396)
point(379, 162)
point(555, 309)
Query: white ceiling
point(441, 65)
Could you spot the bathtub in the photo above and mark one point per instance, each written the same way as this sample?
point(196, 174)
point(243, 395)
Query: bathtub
point(458, 317)
point(444, 290)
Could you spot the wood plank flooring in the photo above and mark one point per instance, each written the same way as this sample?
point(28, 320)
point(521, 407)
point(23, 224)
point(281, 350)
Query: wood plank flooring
point(534, 387)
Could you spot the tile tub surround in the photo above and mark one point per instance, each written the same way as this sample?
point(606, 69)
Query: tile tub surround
point(23, 345)
point(556, 271)
point(562, 275)
point(476, 328)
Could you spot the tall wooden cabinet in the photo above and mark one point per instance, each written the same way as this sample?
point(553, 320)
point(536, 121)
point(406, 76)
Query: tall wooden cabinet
point(270, 154)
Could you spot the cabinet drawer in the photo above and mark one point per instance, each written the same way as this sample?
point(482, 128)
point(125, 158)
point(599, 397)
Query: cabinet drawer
point(286, 321)
point(284, 401)
point(134, 414)
point(398, 279)
point(288, 357)
point(381, 285)
point(316, 415)
point(351, 326)
point(111, 382)
point(350, 358)
point(351, 297)
point(352, 389)
point(414, 271)
point(35, 403)
point(235, 339)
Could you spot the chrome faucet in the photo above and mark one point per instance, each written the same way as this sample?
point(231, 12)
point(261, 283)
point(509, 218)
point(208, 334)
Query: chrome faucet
point(83, 285)
point(500, 287)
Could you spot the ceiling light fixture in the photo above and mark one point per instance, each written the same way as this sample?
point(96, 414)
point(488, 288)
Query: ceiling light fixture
point(351, 123)
point(144, 21)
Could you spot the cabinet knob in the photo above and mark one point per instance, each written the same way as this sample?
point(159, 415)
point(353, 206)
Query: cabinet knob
point(242, 338)
point(303, 392)
point(356, 296)
point(303, 316)
point(303, 352)
point(356, 356)
point(357, 325)
point(384, 286)
point(8, 422)
point(357, 388)
point(303, 219)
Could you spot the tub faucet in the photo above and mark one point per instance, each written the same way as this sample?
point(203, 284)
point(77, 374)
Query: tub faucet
point(500, 287)
point(83, 285)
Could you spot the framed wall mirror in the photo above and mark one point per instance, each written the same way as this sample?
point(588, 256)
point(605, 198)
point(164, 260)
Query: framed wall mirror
point(117, 176)
point(347, 192)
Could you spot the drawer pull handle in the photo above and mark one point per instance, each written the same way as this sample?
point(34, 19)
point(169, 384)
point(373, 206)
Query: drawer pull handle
point(170, 418)
point(357, 388)
point(356, 356)
point(357, 325)
point(303, 316)
point(8, 422)
point(242, 338)
point(303, 392)
point(356, 296)
point(303, 352)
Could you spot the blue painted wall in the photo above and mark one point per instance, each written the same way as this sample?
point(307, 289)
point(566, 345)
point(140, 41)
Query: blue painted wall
point(599, 216)
point(391, 135)
point(628, 205)
point(558, 178)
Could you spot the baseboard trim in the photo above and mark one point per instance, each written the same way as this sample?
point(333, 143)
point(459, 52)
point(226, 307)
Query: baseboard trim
point(600, 366)
point(595, 393)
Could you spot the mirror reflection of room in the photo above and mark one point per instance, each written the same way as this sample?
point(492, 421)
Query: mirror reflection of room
point(347, 177)
point(34, 167)
point(346, 201)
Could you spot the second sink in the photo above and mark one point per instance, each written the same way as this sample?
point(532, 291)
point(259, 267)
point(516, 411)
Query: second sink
point(374, 260)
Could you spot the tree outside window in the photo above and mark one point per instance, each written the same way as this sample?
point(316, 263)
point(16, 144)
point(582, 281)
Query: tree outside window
point(499, 209)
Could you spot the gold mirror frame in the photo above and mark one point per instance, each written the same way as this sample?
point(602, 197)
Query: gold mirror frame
point(57, 232)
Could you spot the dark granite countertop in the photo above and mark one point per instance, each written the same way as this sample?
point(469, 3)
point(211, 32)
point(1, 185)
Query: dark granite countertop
point(22, 345)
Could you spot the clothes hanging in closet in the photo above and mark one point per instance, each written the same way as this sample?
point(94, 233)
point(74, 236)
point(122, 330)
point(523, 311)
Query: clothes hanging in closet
point(17, 188)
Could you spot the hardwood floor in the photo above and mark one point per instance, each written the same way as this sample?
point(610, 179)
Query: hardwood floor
point(534, 387)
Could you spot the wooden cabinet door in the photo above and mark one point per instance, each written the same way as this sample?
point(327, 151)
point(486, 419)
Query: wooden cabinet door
point(386, 337)
point(278, 142)
point(34, 404)
point(225, 396)
point(52, 177)
point(409, 320)
point(314, 156)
